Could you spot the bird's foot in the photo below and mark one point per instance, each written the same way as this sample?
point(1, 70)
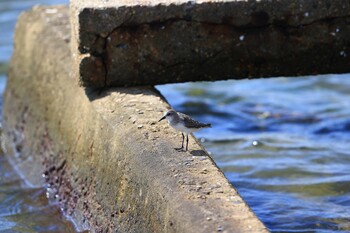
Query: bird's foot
point(181, 149)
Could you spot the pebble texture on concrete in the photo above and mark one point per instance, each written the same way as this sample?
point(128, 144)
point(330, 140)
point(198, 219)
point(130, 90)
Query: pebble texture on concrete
point(103, 155)
point(128, 43)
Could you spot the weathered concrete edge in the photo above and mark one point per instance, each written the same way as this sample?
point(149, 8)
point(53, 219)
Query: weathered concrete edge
point(272, 24)
point(99, 18)
point(104, 157)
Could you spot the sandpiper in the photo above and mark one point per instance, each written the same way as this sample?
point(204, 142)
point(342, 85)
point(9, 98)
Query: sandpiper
point(183, 123)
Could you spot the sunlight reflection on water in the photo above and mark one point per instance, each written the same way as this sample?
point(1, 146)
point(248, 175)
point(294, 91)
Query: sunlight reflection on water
point(283, 143)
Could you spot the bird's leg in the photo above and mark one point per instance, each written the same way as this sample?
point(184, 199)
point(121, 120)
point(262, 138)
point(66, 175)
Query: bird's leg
point(183, 139)
point(186, 142)
point(182, 144)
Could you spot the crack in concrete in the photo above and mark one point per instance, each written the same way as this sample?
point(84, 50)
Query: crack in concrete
point(104, 56)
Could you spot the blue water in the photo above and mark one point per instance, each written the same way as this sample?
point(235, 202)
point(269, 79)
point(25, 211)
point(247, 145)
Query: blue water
point(283, 143)
point(26, 209)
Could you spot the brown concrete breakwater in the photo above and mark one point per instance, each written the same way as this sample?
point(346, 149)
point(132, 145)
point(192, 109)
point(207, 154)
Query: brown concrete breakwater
point(127, 43)
point(101, 153)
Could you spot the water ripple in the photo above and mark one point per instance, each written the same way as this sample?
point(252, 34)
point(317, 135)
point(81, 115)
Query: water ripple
point(283, 143)
point(18, 203)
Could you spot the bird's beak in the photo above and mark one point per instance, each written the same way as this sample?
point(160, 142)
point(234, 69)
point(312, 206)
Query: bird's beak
point(162, 118)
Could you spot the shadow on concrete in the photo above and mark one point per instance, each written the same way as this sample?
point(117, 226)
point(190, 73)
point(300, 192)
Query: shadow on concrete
point(198, 153)
point(97, 93)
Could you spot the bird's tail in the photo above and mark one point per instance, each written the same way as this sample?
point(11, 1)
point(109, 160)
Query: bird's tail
point(207, 125)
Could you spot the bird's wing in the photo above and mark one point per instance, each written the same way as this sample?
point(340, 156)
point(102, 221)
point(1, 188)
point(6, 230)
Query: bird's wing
point(191, 123)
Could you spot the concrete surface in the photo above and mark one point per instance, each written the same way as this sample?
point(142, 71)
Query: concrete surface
point(128, 43)
point(102, 155)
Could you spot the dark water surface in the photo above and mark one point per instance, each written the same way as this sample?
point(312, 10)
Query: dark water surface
point(27, 209)
point(283, 143)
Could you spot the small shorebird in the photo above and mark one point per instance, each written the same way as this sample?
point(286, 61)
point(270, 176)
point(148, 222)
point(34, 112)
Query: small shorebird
point(183, 123)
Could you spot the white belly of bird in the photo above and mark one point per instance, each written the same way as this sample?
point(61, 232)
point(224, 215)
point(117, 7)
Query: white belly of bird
point(183, 129)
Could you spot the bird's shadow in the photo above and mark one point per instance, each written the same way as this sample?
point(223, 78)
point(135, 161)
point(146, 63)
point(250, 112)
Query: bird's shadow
point(198, 153)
